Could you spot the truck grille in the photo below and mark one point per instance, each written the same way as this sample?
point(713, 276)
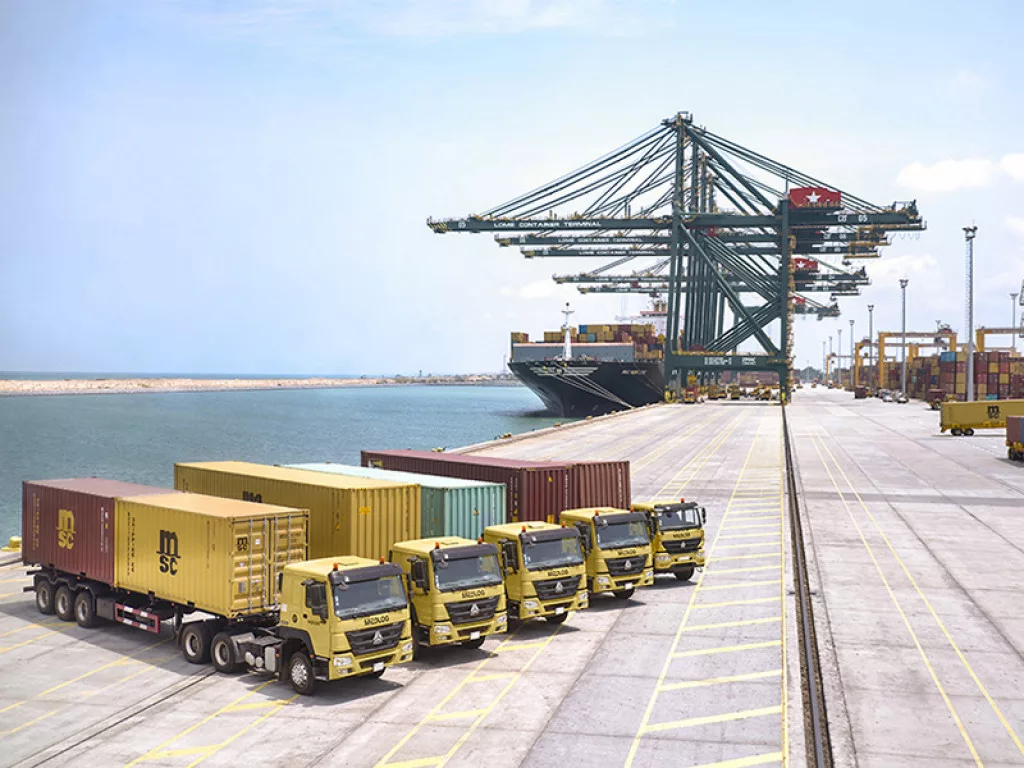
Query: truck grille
point(370, 662)
point(681, 545)
point(627, 566)
point(473, 610)
point(375, 638)
point(553, 589)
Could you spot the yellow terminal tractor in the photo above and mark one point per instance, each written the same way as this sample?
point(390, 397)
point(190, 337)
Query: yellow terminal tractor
point(677, 535)
point(455, 588)
point(545, 576)
point(618, 549)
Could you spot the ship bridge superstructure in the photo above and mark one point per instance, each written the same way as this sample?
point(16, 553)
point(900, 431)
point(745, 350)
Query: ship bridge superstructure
point(738, 243)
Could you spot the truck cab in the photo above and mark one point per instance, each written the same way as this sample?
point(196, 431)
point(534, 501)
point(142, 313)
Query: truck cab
point(677, 535)
point(545, 575)
point(339, 617)
point(617, 545)
point(456, 590)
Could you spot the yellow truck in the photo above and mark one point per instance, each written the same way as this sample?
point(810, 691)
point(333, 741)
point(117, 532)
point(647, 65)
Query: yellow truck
point(545, 576)
point(734, 391)
point(677, 535)
point(455, 588)
point(962, 418)
point(618, 549)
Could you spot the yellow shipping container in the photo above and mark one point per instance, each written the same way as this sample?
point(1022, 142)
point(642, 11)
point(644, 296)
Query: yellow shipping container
point(220, 555)
point(981, 414)
point(347, 515)
point(993, 367)
point(1004, 378)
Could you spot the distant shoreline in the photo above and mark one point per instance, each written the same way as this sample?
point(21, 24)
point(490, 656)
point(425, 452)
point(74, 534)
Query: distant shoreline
point(129, 386)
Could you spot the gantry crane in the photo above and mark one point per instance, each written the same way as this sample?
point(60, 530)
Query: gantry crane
point(980, 335)
point(724, 225)
point(944, 338)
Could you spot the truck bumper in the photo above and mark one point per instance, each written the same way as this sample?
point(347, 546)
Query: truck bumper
point(349, 665)
point(666, 563)
point(459, 633)
point(534, 608)
point(605, 583)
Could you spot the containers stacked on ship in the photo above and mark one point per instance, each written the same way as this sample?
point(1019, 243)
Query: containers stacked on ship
point(449, 506)
point(347, 515)
point(534, 490)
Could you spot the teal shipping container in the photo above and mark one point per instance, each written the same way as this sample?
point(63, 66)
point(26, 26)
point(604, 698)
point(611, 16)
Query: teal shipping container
point(450, 506)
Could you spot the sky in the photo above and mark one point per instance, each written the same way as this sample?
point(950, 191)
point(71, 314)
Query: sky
point(242, 187)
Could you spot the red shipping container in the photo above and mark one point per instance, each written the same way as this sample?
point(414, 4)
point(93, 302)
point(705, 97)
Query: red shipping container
point(600, 484)
point(534, 490)
point(1015, 429)
point(69, 524)
point(1004, 365)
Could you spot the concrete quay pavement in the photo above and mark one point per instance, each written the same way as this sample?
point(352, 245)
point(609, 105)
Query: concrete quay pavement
point(916, 547)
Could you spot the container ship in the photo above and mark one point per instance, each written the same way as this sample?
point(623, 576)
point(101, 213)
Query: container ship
point(595, 369)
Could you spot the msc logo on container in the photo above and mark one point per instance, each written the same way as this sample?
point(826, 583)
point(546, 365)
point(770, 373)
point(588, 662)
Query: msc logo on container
point(250, 496)
point(65, 528)
point(168, 552)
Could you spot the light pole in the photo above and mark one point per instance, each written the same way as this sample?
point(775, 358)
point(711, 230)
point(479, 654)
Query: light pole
point(827, 379)
point(823, 380)
point(853, 369)
point(839, 359)
point(903, 374)
point(871, 344)
point(969, 233)
point(1013, 321)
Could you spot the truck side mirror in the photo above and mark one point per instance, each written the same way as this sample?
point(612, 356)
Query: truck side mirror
point(510, 555)
point(652, 527)
point(316, 598)
point(703, 515)
point(584, 531)
point(419, 575)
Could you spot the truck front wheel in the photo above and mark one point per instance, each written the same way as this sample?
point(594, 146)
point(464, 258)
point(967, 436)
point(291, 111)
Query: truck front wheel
point(557, 618)
point(195, 642)
point(222, 653)
point(44, 597)
point(85, 609)
point(300, 673)
point(684, 574)
point(624, 594)
point(64, 603)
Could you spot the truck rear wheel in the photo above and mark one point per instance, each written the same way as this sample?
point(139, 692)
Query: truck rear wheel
point(624, 594)
point(222, 653)
point(195, 642)
point(969, 431)
point(956, 431)
point(44, 597)
point(557, 618)
point(85, 609)
point(64, 603)
point(300, 673)
point(684, 574)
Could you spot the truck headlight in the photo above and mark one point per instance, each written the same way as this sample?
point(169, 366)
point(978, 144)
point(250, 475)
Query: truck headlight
point(407, 648)
point(342, 661)
point(530, 605)
point(584, 596)
point(649, 573)
point(603, 581)
point(662, 557)
point(501, 618)
point(442, 629)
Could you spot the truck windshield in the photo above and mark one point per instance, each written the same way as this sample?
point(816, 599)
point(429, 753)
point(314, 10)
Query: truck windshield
point(675, 518)
point(362, 598)
point(631, 533)
point(466, 572)
point(552, 553)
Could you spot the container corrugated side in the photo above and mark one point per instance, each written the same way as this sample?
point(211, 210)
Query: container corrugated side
point(348, 515)
point(979, 413)
point(218, 555)
point(534, 490)
point(449, 506)
point(1015, 429)
point(600, 484)
point(69, 524)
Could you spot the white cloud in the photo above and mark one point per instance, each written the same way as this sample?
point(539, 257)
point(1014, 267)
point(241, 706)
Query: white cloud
point(1015, 224)
point(966, 80)
point(948, 175)
point(1013, 166)
point(892, 268)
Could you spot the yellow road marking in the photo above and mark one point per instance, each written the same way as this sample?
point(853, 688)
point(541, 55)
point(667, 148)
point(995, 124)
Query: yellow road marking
point(520, 646)
point(673, 487)
point(730, 603)
point(420, 762)
point(773, 518)
point(56, 623)
point(782, 603)
point(252, 706)
point(30, 722)
point(11, 581)
point(727, 649)
point(744, 678)
point(741, 623)
point(7, 648)
point(488, 678)
point(690, 722)
point(720, 571)
point(750, 544)
point(458, 715)
point(899, 608)
point(185, 752)
point(741, 584)
point(733, 536)
point(745, 762)
point(8, 594)
point(759, 556)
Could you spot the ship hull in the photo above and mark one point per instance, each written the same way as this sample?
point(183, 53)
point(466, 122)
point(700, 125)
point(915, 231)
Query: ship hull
point(581, 388)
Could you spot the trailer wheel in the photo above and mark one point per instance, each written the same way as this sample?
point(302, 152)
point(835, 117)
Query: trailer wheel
point(473, 644)
point(64, 603)
point(969, 431)
point(85, 609)
point(684, 574)
point(222, 653)
point(624, 594)
point(956, 431)
point(556, 618)
point(44, 597)
point(300, 673)
point(195, 642)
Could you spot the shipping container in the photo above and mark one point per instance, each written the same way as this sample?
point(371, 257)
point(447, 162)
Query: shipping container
point(958, 417)
point(534, 490)
point(347, 515)
point(220, 556)
point(1014, 430)
point(600, 484)
point(449, 506)
point(69, 524)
